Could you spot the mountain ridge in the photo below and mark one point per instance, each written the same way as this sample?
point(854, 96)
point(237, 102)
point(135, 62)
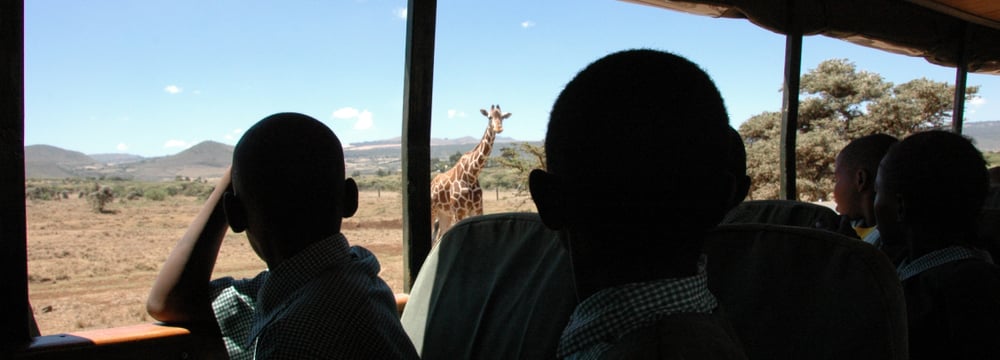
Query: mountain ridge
point(209, 159)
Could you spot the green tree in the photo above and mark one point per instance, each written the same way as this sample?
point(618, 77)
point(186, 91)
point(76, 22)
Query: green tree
point(439, 166)
point(522, 158)
point(839, 103)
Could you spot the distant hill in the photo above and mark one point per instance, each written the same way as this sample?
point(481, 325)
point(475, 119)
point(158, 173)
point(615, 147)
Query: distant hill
point(116, 158)
point(396, 141)
point(209, 159)
point(985, 133)
point(44, 161)
point(54, 154)
point(372, 156)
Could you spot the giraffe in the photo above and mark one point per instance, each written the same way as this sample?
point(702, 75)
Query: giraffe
point(455, 194)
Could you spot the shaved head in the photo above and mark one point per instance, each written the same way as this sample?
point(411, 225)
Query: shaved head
point(289, 169)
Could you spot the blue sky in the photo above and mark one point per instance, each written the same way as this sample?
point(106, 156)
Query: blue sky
point(154, 77)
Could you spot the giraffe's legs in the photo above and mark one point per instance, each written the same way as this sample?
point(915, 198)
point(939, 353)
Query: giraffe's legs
point(434, 231)
point(477, 201)
point(444, 223)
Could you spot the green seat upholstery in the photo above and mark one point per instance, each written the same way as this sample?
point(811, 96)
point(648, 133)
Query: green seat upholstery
point(800, 293)
point(496, 286)
point(783, 212)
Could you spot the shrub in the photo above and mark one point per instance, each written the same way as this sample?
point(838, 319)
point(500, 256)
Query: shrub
point(198, 189)
point(40, 193)
point(134, 194)
point(156, 194)
point(387, 183)
point(100, 197)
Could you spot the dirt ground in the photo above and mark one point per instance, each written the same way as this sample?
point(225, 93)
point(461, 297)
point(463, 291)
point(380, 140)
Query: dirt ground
point(89, 270)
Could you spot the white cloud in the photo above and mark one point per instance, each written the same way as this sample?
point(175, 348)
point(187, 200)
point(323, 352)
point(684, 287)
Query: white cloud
point(974, 104)
point(400, 13)
point(176, 144)
point(364, 118)
point(173, 89)
point(122, 147)
point(452, 113)
point(365, 121)
point(233, 135)
point(345, 113)
point(527, 24)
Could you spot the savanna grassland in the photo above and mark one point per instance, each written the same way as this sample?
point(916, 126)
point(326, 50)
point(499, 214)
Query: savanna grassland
point(91, 270)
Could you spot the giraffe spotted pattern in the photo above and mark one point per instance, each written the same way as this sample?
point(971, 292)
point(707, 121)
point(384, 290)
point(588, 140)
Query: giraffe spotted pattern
point(456, 194)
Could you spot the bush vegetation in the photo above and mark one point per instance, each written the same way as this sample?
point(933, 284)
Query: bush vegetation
point(100, 193)
point(506, 169)
point(839, 103)
point(503, 172)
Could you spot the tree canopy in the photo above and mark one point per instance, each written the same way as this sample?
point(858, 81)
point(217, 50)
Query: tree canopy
point(839, 103)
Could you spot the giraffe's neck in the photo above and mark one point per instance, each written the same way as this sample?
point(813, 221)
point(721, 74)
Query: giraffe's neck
point(478, 156)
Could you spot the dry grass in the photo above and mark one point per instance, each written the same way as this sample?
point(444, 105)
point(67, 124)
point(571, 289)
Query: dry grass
point(89, 270)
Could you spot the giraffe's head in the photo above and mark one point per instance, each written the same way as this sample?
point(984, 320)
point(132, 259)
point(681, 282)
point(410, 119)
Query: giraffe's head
point(496, 117)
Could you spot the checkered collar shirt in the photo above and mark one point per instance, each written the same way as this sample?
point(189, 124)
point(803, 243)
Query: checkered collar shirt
point(328, 290)
point(935, 258)
point(608, 315)
point(293, 273)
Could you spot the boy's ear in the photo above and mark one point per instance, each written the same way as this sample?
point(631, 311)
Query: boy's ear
point(236, 215)
point(861, 180)
point(350, 202)
point(547, 194)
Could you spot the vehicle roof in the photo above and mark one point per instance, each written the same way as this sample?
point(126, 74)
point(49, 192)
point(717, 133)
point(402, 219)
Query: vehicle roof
point(933, 29)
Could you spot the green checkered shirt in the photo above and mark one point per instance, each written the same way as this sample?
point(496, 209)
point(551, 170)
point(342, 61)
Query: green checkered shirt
point(326, 302)
point(934, 258)
point(606, 316)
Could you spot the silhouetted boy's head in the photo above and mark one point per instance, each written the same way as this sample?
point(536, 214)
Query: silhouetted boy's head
point(854, 173)
point(737, 166)
point(638, 136)
point(288, 181)
point(934, 180)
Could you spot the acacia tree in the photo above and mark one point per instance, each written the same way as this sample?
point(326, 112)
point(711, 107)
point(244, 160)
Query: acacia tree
point(839, 103)
point(511, 158)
